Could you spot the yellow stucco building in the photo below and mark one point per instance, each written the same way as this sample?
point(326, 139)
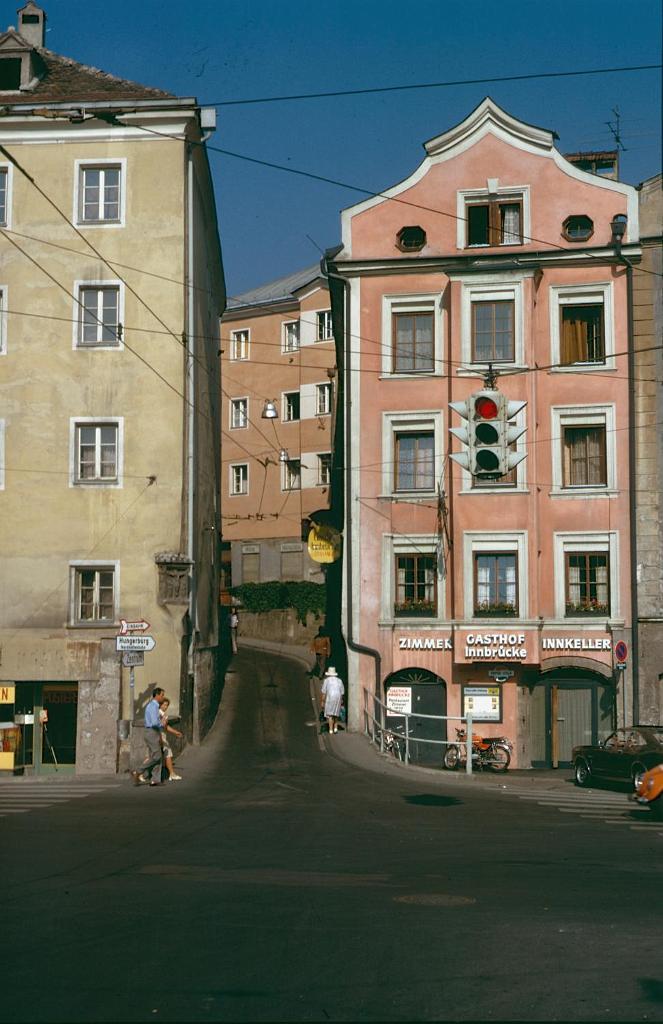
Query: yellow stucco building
point(111, 288)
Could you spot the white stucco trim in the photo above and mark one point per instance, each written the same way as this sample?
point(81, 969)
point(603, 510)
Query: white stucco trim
point(414, 544)
point(594, 292)
point(517, 191)
point(586, 541)
point(4, 318)
point(412, 302)
point(76, 421)
point(501, 542)
point(110, 282)
point(583, 416)
point(89, 563)
point(496, 287)
point(411, 421)
point(2, 455)
point(102, 161)
point(9, 168)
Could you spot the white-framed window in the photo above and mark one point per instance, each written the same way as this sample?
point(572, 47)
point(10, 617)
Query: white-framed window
point(492, 319)
point(581, 327)
point(290, 336)
point(412, 585)
point(324, 468)
point(493, 217)
point(5, 195)
point(99, 311)
point(323, 320)
point(291, 561)
point(239, 478)
point(4, 306)
point(412, 452)
point(251, 563)
point(96, 451)
point(99, 193)
point(292, 475)
point(291, 406)
point(586, 567)
point(2, 455)
point(584, 453)
point(239, 413)
point(94, 593)
point(495, 575)
point(239, 344)
point(412, 335)
point(323, 399)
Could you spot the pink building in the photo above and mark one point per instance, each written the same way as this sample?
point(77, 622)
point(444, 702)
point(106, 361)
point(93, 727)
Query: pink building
point(508, 596)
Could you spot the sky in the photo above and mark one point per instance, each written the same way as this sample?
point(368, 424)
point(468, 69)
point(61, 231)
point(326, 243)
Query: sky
point(273, 222)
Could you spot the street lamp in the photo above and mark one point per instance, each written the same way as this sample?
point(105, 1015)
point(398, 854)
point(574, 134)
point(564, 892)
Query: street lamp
point(618, 229)
point(269, 411)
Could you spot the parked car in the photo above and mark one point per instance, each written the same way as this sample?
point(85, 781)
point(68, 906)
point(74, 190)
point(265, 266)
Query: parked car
point(624, 756)
point(649, 790)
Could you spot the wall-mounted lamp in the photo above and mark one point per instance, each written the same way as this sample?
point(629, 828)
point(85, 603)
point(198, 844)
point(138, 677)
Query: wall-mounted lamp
point(618, 229)
point(269, 411)
point(283, 455)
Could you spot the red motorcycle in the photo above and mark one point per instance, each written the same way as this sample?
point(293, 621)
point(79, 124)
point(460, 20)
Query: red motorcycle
point(492, 752)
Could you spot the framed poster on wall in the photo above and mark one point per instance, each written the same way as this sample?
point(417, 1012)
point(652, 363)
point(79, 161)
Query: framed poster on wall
point(484, 703)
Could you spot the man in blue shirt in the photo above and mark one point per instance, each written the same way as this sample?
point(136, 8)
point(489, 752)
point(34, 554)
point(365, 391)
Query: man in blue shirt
point(152, 768)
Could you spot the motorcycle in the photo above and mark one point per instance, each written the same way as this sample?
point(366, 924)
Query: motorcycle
point(649, 791)
point(491, 752)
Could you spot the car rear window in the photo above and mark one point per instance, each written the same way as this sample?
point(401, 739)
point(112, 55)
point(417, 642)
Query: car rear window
point(658, 736)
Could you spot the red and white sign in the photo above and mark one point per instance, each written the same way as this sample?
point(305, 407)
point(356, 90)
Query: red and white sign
point(399, 700)
point(621, 650)
point(133, 627)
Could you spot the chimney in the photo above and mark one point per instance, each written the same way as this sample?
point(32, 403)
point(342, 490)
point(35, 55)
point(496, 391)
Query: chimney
point(32, 24)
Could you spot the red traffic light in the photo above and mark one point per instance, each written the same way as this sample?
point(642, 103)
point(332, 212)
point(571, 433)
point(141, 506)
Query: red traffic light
point(485, 408)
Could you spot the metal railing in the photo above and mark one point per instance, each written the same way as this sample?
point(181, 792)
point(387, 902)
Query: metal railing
point(375, 729)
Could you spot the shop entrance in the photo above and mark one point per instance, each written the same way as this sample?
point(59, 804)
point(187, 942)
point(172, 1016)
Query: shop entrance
point(46, 714)
point(568, 709)
point(424, 692)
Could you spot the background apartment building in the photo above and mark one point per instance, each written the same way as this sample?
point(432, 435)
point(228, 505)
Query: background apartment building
point(111, 289)
point(504, 597)
point(276, 414)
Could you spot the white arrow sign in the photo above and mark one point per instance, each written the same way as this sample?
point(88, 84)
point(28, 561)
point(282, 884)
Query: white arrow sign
point(129, 627)
point(131, 658)
point(134, 643)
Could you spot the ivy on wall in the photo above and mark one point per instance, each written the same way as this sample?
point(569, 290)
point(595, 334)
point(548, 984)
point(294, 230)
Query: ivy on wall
point(304, 597)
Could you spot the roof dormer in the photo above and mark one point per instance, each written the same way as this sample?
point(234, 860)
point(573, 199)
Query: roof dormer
point(20, 63)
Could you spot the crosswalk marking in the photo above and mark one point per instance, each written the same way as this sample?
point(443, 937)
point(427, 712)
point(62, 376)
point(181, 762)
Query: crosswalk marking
point(19, 796)
point(609, 808)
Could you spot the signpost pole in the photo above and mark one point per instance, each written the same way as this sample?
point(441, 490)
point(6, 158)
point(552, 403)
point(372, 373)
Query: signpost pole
point(131, 692)
point(468, 747)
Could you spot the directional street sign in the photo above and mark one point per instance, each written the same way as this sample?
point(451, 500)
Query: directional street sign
point(132, 658)
point(130, 627)
point(621, 651)
point(134, 643)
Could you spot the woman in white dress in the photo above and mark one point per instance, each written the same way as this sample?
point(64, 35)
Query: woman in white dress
point(332, 690)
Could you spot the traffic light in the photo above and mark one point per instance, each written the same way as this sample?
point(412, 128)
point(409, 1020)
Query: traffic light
point(488, 435)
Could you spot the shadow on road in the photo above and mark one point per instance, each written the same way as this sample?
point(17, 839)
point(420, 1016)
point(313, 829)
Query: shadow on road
point(432, 800)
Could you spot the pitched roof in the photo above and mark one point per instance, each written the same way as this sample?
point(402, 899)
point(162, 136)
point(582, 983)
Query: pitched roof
point(276, 291)
point(65, 79)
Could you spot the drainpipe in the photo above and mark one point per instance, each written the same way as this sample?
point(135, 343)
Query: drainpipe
point(190, 413)
point(353, 644)
point(633, 526)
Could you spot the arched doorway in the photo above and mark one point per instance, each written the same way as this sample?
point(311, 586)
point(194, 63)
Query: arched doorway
point(428, 696)
point(569, 707)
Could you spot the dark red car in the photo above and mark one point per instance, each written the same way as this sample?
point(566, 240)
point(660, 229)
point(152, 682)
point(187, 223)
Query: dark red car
point(624, 756)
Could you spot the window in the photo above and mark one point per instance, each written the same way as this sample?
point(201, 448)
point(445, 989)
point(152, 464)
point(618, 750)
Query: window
point(239, 413)
point(414, 464)
point(291, 406)
point(411, 239)
point(585, 462)
point(413, 344)
point(100, 194)
point(587, 583)
point(495, 584)
point(493, 337)
point(292, 475)
point(578, 228)
point(10, 74)
point(239, 345)
point(324, 325)
point(291, 336)
point(94, 594)
point(99, 316)
point(416, 585)
point(495, 222)
point(291, 561)
point(4, 189)
point(581, 334)
point(324, 468)
point(251, 564)
point(239, 478)
point(323, 397)
point(96, 448)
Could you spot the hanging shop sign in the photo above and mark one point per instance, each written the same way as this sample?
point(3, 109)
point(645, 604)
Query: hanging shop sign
point(324, 543)
point(484, 703)
point(7, 693)
point(399, 700)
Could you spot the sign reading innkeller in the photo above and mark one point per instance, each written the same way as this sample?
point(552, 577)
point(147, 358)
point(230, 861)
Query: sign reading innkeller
point(574, 643)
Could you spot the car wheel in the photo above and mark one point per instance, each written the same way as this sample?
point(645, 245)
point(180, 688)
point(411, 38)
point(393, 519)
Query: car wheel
point(637, 771)
point(583, 773)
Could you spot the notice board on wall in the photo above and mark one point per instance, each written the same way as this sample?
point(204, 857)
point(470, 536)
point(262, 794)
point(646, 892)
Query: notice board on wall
point(484, 703)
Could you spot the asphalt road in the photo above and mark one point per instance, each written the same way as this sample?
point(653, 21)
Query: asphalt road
point(279, 883)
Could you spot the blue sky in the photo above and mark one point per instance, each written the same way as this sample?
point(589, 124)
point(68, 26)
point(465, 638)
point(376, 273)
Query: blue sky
point(255, 48)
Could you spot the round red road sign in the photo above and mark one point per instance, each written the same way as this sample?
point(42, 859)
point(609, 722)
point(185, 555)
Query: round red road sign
point(621, 650)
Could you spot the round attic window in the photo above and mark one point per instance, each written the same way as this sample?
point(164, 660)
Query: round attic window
point(578, 228)
point(411, 239)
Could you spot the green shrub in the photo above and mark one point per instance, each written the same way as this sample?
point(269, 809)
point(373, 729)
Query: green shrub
point(304, 597)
